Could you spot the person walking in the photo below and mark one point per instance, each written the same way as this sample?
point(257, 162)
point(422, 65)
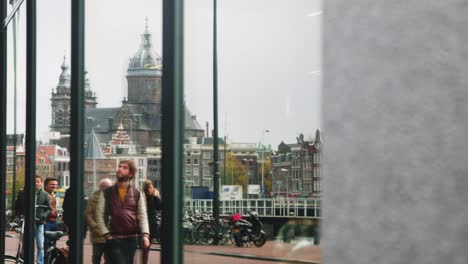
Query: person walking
point(121, 216)
point(19, 204)
point(42, 210)
point(153, 205)
point(50, 186)
point(69, 215)
point(97, 239)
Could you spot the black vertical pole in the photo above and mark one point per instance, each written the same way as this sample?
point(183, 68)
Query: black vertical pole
point(215, 124)
point(30, 130)
point(15, 69)
point(172, 131)
point(77, 128)
point(224, 174)
point(3, 132)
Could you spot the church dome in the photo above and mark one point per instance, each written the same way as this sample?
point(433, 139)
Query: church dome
point(64, 79)
point(145, 58)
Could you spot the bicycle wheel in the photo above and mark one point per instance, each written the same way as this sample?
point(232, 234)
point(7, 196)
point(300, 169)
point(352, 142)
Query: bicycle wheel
point(226, 234)
point(195, 237)
point(11, 259)
point(53, 257)
point(188, 236)
point(206, 233)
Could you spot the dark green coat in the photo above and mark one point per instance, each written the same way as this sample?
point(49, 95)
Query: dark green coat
point(42, 207)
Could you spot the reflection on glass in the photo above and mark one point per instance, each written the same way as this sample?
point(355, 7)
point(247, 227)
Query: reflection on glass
point(269, 141)
point(269, 114)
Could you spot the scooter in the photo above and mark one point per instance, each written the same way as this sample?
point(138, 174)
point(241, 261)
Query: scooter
point(248, 231)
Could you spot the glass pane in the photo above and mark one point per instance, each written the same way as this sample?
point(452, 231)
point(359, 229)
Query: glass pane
point(269, 85)
point(53, 108)
point(52, 158)
point(123, 106)
point(15, 153)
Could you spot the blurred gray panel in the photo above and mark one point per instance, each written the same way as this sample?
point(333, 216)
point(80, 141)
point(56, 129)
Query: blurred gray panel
point(395, 104)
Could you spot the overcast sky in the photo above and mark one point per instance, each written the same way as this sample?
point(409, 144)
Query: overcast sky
point(269, 61)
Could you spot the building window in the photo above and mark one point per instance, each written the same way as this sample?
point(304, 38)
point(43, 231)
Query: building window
point(196, 172)
point(206, 182)
point(153, 162)
point(316, 172)
point(206, 155)
point(140, 174)
point(316, 186)
point(188, 171)
point(316, 158)
point(66, 181)
point(141, 162)
point(196, 181)
point(195, 161)
point(188, 161)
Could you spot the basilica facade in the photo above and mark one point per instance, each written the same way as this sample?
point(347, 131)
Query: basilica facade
point(139, 114)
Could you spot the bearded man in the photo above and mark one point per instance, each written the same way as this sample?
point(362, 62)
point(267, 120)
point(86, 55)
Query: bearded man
point(121, 216)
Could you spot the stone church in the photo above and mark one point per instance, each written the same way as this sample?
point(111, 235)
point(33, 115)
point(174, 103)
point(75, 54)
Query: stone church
point(139, 113)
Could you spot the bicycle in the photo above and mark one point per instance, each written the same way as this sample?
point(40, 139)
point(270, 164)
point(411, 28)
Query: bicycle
point(53, 255)
point(18, 258)
point(208, 230)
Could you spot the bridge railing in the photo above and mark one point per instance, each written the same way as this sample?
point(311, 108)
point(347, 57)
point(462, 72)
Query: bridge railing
point(291, 208)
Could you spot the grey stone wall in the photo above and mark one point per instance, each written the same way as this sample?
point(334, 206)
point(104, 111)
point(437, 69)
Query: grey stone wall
point(395, 104)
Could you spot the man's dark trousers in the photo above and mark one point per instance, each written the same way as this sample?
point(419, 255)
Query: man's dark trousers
point(121, 250)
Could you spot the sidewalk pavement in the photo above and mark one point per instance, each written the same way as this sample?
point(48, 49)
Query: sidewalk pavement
point(302, 251)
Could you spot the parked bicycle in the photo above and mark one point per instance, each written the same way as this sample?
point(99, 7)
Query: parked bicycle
point(18, 258)
point(54, 255)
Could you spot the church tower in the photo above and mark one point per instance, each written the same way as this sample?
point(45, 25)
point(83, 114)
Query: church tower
point(144, 77)
point(60, 102)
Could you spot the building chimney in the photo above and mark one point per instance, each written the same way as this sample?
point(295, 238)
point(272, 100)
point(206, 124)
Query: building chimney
point(207, 130)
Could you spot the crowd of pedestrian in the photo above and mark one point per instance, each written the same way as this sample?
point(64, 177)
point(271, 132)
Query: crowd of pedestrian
point(119, 216)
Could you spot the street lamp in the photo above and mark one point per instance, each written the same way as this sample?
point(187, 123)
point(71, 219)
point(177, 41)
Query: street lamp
point(287, 182)
point(272, 187)
point(247, 162)
point(263, 157)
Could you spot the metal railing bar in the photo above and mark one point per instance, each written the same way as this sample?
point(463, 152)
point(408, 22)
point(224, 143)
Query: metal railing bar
point(30, 170)
point(77, 128)
point(264, 207)
point(173, 131)
point(3, 130)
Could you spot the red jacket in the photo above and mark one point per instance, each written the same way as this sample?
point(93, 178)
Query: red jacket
point(52, 217)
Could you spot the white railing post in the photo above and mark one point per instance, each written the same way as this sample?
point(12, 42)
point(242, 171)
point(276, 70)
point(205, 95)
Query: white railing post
point(264, 207)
